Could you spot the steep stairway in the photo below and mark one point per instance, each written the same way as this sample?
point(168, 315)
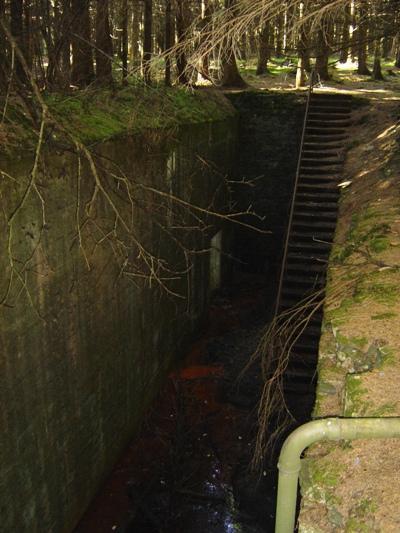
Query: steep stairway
point(312, 227)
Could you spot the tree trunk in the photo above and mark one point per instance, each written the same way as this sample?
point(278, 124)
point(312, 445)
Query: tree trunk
point(377, 71)
point(135, 34)
point(322, 59)
point(124, 44)
point(66, 41)
point(16, 26)
point(279, 35)
point(362, 42)
point(181, 26)
point(4, 74)
point(82, 59)
point(104, 48)
point(344, 53)
point(147, 40)
point(263, 49)
point(168, 41)
point(27, 35)
point(303, 62)
point(397, 61)
point(230, 72)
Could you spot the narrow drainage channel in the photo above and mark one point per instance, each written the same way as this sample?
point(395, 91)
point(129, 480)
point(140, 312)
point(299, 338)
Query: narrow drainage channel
point(188, 471)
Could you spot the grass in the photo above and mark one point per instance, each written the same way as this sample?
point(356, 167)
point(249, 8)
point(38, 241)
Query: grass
point(102, 114)
point(99, 114)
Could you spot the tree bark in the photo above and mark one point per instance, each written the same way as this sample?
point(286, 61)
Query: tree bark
point(397, 61)
point(181, 27)
point(303, 62)
point(322, 59)
point(230, 73)
point(147, 40)
point(263, 49)
point(362, 42)
point(377, 70)
point(124, 44)
point(344, 53)
point(279, 35)
point(135, 33)
point(104, 48)
point(66, 41)
point(82, 58)
point(168, 41)
point(16, 26)
point(5, 52)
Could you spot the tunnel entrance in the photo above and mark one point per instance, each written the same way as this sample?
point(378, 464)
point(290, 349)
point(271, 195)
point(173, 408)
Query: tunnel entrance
point(189, 469)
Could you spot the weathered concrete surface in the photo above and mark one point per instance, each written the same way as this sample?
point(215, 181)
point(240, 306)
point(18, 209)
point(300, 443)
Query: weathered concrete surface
point(269, 140)
point(83, 342)
point(355, 486)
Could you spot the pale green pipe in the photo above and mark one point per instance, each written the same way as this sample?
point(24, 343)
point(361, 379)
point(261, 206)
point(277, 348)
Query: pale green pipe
point(318, 430)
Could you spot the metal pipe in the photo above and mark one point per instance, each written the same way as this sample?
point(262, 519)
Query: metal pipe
point(324, 429)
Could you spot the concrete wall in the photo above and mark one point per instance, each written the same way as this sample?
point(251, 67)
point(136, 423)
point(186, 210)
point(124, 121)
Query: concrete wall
point(269, 139)
point(82, 350)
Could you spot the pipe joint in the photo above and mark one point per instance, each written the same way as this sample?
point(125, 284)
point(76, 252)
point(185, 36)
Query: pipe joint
point(319, 430)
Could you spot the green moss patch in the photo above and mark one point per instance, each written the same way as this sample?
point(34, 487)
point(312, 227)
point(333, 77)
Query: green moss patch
point(98, 114)
point(318, 479)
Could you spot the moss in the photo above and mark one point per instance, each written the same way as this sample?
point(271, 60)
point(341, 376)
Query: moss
point(361, 516)
point(355, 525)
point(354, 396)
point(319, 478)
point(100, 114)
point(340, 314)
point(379, 244)
point(364, 234)
point(388, 356)
point(384, 316)
point(386, 409)
point(381, 292)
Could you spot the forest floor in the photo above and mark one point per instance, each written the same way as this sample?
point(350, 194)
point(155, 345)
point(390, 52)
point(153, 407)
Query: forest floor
point(344, 77)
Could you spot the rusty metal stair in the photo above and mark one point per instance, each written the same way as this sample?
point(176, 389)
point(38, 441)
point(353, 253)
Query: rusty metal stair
point(312, 225)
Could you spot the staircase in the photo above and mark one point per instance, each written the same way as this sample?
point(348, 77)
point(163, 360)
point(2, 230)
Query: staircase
point(311, 227)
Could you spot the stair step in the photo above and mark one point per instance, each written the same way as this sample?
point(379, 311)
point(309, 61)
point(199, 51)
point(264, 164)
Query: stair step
point(313, 216)
point(312, 269)
point(324, 140)
point(320, 197)
point(318, 123)
point(330, 106)
point(325, 130)
point(309, 161)
point(308, 283)
point(337, 97)
point(304, 258)
point(320, 170)
point(296, 292)
point(316, 204)
point(299, 389)
point(325, 181)
point(300, 374)
point(312, 220)
point(304, 347)
point(318, 148)
point(328, 116)
point(312, 233)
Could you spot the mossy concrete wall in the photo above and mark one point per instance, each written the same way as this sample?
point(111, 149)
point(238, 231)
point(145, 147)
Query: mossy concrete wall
point(84, 340)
